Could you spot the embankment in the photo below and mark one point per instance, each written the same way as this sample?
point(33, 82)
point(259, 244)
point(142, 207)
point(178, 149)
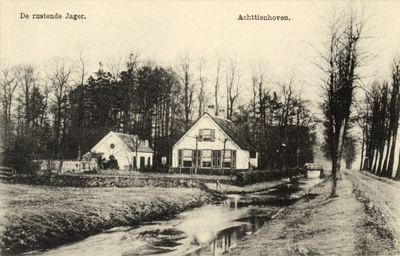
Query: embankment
point(86, 181)
point(320, 225)
point(44, 217)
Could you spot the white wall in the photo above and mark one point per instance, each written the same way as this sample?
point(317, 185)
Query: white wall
point(243, 159)
point(122, 153)
point(188, 141)
point(254, 161)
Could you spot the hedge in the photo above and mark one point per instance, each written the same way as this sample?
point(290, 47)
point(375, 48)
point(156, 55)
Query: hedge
point(251, 177)
point(206, 171)
point(101, 181)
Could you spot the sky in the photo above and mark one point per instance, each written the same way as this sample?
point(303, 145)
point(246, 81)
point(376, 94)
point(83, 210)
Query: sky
point(161, 30)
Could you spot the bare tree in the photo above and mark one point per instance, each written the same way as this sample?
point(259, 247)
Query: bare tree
point(202, 95)
point(187, 85)
point(394, 112)
point(393, 122)
point(82, 68)
point(60, 77)
point(81, 111)
point(260, 91)
point(114, 65)
point(217, 83)
point(9, 84)
point(133, 143)
point(28, 78)
point(127, 87)
point(233, 75)
point(341, 61)
point(287, 88)
point(375, 124)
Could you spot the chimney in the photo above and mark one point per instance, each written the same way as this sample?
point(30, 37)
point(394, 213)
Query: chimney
point(221, 113)
point(211, 110)
point(146, 143)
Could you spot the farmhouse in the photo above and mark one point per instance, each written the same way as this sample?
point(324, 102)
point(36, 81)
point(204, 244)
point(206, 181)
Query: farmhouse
point(213, 142)
point(122, 151)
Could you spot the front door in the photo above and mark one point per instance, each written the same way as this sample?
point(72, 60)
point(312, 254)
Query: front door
point(142, 161)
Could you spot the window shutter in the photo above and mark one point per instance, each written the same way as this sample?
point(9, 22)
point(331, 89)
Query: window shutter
point(213, 135)
point(180, 157)
point(233, 164)
point(200, 138)
point(196, 156)
point(199, 160)
point(214, 158)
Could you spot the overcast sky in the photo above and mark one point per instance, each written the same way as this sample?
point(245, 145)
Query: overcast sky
point(163, 29)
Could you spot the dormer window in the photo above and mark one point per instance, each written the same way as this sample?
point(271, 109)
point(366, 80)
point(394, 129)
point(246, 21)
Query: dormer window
point(207, 134)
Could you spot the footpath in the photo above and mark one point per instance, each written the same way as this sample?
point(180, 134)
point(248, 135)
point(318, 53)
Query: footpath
point(351, 224)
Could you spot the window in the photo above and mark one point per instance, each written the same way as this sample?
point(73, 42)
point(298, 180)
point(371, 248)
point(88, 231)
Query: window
point(230, 158)
point(206, 135)
point(206, 158)
point(216, 158)
point(187, 157)
point(234, 158)
point(196, 160)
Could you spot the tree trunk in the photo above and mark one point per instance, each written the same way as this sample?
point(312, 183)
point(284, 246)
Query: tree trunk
point(385, 163)
point(337, 155)
point(391, 157)
point(362, 151)
point(375, 160)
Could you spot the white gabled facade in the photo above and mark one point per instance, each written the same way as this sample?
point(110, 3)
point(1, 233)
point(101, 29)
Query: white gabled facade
point(211, 141)
point(119, 146)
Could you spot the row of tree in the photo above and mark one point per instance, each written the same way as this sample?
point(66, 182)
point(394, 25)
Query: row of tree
point(59, 113)
point(380, 120)
point(377, 115)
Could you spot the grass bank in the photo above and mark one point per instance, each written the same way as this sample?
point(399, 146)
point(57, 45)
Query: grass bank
point(43, 217)
point(228, 188)
point(320, 225)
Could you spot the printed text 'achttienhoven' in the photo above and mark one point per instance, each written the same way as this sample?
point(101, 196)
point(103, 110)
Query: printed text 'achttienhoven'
point(263, 17)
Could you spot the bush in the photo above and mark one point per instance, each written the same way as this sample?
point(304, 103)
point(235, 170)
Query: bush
point(251, 177)
point(94, 171)
point(205, 171)
point(20, 154)
point(85, 181)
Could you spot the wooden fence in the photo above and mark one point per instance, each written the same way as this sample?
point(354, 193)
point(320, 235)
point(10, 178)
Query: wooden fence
point(6, 173)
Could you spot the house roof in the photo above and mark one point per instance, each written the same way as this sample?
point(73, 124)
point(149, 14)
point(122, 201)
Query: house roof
point(233, 132)
point(130, 140)
point(236, 134)
point(92, 155)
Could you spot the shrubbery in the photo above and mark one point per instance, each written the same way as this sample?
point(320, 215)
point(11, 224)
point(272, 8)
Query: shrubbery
point(251, 177)
point(84, 181)
point(206, 171)
point(20, 154)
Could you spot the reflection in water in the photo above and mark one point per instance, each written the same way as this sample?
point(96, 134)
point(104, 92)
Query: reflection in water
point(231, 200)
point(227, 237)
point(208, 230)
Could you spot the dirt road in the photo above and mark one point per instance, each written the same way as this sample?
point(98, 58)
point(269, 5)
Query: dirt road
point(383, 195)
point(363, 220)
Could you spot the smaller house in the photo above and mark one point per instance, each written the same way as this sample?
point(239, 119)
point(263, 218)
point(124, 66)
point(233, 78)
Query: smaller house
point(122, 151)
point(213, 142)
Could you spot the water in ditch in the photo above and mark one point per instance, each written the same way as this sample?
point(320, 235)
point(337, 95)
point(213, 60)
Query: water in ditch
point(209, 230)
